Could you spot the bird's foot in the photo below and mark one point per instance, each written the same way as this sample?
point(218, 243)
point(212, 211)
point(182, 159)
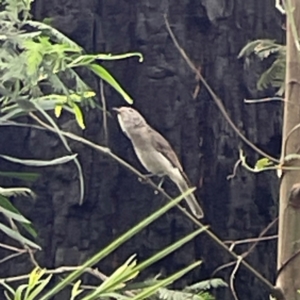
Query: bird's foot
point(145, 178)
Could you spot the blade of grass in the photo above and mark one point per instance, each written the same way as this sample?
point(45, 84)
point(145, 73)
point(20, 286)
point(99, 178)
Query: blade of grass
point(114, 245)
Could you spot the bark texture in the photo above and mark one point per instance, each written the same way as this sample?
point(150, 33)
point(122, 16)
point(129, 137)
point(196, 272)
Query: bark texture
point(212, 33)
point(289, 223)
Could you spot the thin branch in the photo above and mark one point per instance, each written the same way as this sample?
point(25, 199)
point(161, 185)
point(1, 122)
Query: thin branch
point(279, 6)
point(11, 256)
point(261, 235)
point(214, 96)
point(252, 240)
point(245, 254)
point(232, 276)
point(231, 176)
point(220, 268)
point(11, 248)
point(263, 100)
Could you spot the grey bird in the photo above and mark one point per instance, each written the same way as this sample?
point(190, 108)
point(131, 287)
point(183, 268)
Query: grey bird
point(155, 152)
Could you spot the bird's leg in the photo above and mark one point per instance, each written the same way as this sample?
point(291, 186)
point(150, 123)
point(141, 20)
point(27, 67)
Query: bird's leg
point(146, 177)
point(161, 182)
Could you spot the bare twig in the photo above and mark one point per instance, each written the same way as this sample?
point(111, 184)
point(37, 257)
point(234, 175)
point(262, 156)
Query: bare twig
point(11, 248)
point(214, 96)
point(231, 176)
point(252, 240)
point(261, 235)
point(263, 100)
point(11, 256)
point(245, 254)
point(31, 256)
point(279, 6)
point(232, 276)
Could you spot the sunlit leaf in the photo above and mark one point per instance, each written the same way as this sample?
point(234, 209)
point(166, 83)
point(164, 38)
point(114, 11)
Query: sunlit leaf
point(4, 202)
point(78, 115)
point(18, 237)
point(12, 215)
point(57, 110)
point(16, 191)
point(76, 290)
point(262, 163)
point(104, 74)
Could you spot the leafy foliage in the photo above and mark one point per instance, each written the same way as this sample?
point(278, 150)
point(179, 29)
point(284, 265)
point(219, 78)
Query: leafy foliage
point(274, 76)
point(39, 73)
point(111, 287)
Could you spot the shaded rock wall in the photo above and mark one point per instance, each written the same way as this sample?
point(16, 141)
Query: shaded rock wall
point(212, 33)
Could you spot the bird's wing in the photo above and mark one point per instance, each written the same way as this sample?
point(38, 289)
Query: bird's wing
point(163, 146)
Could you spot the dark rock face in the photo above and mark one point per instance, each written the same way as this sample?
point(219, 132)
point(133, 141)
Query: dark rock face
point(212, 33)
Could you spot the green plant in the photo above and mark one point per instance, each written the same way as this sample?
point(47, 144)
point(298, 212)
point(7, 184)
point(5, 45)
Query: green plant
point(113, 285)
point(275, 75)
point(39, 72)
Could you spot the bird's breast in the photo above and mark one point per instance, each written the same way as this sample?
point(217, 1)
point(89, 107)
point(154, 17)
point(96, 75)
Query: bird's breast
point(154, 161)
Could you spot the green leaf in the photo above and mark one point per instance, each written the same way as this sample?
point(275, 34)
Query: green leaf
point(8, 192)
point(104, 74)
point(119, 56)
point(166, 294)
point(78, 115)
point(40, 163)
point(9, 206)
point(153, 289)
point(76, 290)
point(118, 277)
point(19, 291)
point(18, 237)
point(12, 215)
point(206, 285)
point(51, 31)
point(21, 175)
point(57, 110)
point(40, 288)
point(263, 163)
point(8, 288)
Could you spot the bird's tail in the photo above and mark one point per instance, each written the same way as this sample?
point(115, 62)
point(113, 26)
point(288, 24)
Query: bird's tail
point(181, 182)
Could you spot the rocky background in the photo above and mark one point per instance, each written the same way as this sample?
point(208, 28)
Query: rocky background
point(212, 32)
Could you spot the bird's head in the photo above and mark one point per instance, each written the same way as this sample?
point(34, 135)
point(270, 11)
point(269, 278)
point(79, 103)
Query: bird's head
point(129, 118)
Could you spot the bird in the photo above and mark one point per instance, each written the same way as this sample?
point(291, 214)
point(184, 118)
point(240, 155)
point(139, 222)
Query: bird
point(155, 152)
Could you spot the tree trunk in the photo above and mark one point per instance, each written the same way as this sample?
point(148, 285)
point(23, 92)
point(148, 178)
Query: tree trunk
point(289, 215)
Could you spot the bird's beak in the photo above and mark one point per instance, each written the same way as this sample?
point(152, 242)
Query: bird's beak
point(116, 109)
